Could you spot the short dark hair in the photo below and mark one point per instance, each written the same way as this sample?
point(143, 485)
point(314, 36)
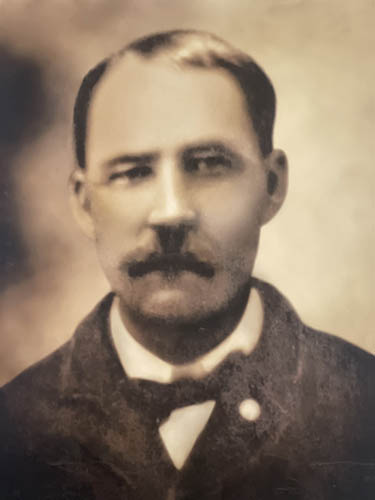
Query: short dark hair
point(195, 49)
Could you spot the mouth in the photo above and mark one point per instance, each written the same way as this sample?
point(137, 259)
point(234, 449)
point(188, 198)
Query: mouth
point(171, 265)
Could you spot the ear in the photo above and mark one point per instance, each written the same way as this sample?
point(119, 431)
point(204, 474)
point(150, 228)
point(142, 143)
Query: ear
point(276, 164)
point(80, 202)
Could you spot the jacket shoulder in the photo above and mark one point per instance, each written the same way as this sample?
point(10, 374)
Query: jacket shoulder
point(51, 377)
point(42, 398)
point(28, 399)
point(338, 356)
point(338, 391)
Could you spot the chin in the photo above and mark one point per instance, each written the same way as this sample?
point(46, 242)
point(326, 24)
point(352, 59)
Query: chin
point(173, 309)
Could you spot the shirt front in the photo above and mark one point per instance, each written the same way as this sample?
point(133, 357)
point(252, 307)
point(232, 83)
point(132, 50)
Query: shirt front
point(184, 425)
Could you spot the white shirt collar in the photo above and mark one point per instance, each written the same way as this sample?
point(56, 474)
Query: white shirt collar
point(138, 362)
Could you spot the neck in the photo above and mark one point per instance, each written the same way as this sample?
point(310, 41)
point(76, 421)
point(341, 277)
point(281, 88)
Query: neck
point(180, 343)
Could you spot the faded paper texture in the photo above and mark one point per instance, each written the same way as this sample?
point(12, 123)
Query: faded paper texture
point(318, 251)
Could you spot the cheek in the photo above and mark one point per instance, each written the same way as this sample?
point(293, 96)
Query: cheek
point(233, 220)
point(117, 212)
point(116, 225)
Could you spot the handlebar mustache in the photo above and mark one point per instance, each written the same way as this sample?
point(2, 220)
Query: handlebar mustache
point(170, 264)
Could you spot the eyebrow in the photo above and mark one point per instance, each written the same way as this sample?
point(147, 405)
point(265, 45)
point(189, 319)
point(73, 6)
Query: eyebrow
point(130, 159)
point(210, 147)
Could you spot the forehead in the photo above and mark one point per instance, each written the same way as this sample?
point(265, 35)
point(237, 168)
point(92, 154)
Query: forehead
point(142, 106)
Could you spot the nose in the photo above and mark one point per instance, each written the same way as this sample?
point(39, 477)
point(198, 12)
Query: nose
point(173, 216)
point(172, 207)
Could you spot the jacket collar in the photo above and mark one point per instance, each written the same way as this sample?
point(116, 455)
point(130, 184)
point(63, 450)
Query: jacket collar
point(94, 370)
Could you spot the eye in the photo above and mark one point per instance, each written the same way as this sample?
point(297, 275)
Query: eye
point(132, 174)
point(208, 165)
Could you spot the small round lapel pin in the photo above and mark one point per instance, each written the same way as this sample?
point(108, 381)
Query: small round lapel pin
point(249, 409)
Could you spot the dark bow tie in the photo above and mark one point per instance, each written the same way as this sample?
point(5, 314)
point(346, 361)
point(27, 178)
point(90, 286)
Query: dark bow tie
point(158, 400)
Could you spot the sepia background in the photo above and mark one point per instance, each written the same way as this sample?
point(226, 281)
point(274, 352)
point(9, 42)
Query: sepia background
point(320, 249)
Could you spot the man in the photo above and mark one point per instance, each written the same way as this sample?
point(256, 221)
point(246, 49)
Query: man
point(192, 379)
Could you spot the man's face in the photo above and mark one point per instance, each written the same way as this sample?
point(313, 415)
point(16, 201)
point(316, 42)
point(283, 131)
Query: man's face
point(175, 188)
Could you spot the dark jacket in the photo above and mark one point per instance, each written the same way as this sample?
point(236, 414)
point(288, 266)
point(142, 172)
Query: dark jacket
point(73, 426)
